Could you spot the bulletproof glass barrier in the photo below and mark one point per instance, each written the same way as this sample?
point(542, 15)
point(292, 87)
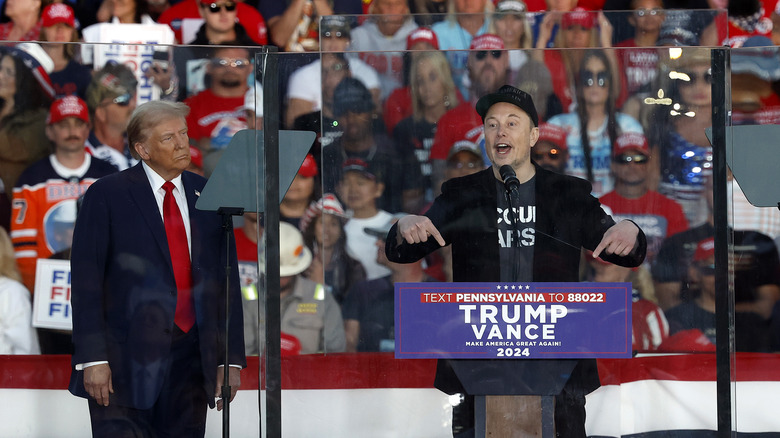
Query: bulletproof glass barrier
point(392, 124)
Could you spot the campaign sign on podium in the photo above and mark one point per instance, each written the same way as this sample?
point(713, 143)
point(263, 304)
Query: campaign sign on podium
point(512, 320)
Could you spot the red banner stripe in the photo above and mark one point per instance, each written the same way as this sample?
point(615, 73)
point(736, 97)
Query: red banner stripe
point(381, 370)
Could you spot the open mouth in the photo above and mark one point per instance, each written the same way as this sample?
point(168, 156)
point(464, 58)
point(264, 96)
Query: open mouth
point(502, 148)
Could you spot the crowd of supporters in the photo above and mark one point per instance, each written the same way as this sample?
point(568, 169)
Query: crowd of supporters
point(622, 87)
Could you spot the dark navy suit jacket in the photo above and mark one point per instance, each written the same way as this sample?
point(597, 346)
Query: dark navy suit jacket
point(124, 291)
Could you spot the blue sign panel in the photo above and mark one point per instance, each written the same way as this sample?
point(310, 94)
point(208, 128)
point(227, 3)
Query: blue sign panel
point(512, 320)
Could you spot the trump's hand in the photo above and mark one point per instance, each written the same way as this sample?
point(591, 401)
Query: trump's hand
point(97, 382)
point(234, 374)
point(620, 239)
point(416, 229)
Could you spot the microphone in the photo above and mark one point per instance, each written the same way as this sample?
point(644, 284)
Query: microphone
point(509, 177)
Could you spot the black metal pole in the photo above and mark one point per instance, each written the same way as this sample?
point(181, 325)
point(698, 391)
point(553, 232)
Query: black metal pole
point(273, 364)
point(723, 307)
point(227, 214)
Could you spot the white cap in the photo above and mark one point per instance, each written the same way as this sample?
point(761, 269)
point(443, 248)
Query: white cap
point(253, 99)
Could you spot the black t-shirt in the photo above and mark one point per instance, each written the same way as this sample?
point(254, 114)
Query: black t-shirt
point(72, 80)
point(516, 241)
point(371, 303)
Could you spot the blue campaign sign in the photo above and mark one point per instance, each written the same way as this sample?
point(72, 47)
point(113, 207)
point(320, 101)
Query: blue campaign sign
point(512, 320)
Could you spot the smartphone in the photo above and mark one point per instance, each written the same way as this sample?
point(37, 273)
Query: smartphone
point(160, 61)
point(160, 66)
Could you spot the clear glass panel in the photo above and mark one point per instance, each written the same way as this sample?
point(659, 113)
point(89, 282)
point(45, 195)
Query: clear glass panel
point(393, 124)
point(646, 98)
point(754, 220)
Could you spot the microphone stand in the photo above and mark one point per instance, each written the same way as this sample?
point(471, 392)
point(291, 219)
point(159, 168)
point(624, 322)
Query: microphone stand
point(512, 186)
point(227, 214)
point(514, 207)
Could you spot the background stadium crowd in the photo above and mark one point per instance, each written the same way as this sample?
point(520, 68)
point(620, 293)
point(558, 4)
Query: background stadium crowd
point(622, 87)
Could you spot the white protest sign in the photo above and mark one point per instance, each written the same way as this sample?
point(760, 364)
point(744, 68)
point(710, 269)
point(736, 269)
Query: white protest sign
point(51, 301)
point(130, 44)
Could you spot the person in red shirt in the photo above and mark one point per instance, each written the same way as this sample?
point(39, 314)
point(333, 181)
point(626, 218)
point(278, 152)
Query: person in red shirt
point(184, 15)
point(755, 68)
point(579, 29)
point(25, 24)
point(220, 24)
point(649, 327)
point(640, 62)
point(746, 18)
point(657, 215)
point(551, 151)
point(217, 112)
point(398, 104)
point(488, 70)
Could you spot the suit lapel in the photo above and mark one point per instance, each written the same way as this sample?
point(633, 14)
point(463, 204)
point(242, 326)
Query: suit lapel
point(142, 192)
point(192, 197)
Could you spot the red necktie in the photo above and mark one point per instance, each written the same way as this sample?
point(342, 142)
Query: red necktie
point(180, 258)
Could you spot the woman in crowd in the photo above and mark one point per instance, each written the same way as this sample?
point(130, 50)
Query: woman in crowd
point(677, 131)
point(302, 192)
point(124, 11)
point(433, 93)
point(595, 125)
point(24, 24)
point(24, 104)
point(58, 28)
point(323, 233)
point(579, 29)
point(509, 23)
point(17, 335)
point(464, 21)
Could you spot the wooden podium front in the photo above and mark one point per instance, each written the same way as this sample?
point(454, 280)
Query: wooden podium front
point(514, 416)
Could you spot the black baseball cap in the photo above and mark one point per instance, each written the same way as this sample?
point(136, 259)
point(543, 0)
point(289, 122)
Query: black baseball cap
point(351, 95)
point(508, 94)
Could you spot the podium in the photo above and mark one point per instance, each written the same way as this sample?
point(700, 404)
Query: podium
point(514, 397)
point(515, 346)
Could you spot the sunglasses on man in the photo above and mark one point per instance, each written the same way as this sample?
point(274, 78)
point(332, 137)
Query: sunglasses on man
point(482, 54)
point(458, 165)
point(216, 7)
point(552, 154)
point(631, 158)
point(706, 269)
point(334, 34)
point(121, 100)
point(644, 12)
point(231, 62)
